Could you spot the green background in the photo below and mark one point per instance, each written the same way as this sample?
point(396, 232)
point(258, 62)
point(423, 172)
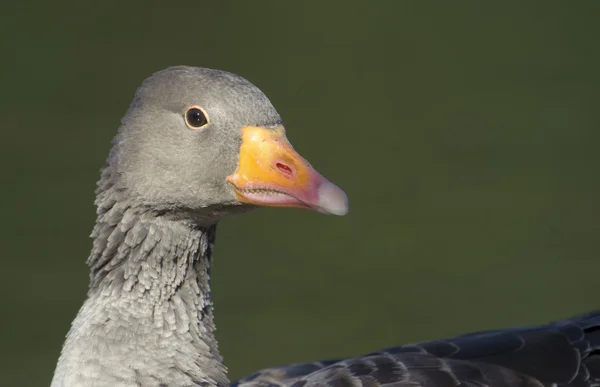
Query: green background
point(464, 133)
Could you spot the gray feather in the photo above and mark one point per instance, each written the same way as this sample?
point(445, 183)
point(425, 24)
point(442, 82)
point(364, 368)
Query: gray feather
point(148, 317)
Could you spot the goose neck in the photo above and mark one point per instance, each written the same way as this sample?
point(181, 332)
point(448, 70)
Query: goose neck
point(148, 317)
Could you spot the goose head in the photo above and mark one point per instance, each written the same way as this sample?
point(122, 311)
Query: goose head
point(201, 141)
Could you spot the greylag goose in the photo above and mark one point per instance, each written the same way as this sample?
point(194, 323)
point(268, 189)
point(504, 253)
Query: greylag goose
point(197, 145)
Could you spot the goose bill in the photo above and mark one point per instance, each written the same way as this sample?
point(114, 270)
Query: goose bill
point(271, 173)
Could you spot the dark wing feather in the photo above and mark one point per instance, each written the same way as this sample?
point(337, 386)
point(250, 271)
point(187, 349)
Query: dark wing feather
point(565, 353)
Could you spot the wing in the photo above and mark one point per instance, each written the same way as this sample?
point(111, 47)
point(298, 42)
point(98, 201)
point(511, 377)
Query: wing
point(565, 353)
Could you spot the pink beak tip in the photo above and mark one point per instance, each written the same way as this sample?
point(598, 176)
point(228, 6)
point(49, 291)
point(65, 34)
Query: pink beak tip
point(332, 200)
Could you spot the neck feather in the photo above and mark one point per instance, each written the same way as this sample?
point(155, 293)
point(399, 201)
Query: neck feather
point(148, 318)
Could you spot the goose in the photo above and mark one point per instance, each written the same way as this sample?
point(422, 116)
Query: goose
point(197, 145)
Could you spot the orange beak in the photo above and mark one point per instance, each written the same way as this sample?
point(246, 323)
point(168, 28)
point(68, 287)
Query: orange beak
point(272, 174)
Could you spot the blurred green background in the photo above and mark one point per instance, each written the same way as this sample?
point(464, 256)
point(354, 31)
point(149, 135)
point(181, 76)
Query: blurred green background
point(465, 134)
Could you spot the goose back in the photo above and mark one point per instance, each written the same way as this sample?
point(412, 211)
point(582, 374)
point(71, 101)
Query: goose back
point(565, 353)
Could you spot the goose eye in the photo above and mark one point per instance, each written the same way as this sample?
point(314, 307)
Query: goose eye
point(195, 117)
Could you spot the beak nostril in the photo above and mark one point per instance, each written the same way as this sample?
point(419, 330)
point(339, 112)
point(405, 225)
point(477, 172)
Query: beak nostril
point(285, 169)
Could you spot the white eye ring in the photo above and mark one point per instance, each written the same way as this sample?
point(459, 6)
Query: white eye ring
point(196, 117)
